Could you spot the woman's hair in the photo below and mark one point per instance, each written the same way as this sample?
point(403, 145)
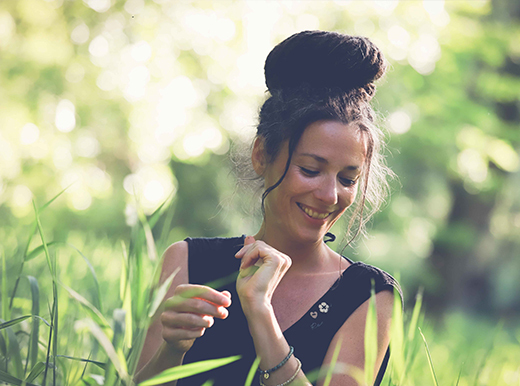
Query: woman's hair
point(318, 75)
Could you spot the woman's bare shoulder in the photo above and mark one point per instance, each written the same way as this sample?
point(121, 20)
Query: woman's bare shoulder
point(176, 257)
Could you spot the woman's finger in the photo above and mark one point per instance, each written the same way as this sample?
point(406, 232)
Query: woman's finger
point(188, 291)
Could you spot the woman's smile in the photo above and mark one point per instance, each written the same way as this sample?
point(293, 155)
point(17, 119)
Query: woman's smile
point(313, 213)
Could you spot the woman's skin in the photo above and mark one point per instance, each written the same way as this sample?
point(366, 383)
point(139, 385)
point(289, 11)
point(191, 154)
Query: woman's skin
point(286, 267)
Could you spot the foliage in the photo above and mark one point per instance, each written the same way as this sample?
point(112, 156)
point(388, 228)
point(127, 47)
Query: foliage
point(124, 105)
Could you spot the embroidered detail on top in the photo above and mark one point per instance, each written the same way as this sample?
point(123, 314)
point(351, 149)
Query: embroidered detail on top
point(316, 325)
point(324, 307)
point(314, 314)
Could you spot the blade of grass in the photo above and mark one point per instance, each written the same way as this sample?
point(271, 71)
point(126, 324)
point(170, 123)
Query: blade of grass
point(124, 292)
point(397, 362)
point(333, 362)
point(26, 249)
point(415, 315)
point(93, 312)
point(11, 380)
point(38, 250)
point(160, 293)
point(36, 370)
point(190, 369)
point(371, 337)
point(14, 351)
point(35, 328)
point(252, 371)
point(5, 309)
point(107, 346)
point(101, 365)
point(150, 243)
point(430, 362)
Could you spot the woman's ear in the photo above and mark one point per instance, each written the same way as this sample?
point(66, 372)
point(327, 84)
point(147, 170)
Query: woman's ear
point(258, 157)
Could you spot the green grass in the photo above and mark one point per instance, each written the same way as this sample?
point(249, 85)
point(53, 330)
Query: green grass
point(67, 319)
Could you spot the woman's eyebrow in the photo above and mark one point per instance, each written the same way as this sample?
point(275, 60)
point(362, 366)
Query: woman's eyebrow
point(325, 161)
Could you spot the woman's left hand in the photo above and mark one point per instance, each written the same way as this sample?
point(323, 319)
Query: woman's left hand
point(261, 270)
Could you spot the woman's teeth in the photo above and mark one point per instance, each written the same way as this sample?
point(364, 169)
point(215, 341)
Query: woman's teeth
point(314, 214)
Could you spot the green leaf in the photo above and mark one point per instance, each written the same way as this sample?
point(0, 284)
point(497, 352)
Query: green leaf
point(93, 312)
point(14, 321)
point(188, 370)
point(108, 347)
point(430, 362)
point(101, 365)
point(35, 371)
point(252, 372)
point(333, 362)
point(11, 380)
point(38, 250)
point(371, 337)
point(160, 293)
point(35, 328)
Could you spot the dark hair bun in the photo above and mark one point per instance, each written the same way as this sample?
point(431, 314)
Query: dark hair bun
point(322, 59)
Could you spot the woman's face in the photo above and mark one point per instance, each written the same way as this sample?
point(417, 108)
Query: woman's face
point(321, 183)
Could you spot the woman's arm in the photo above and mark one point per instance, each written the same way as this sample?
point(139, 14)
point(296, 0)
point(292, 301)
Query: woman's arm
point(351, 337)
point(261, 270)
point(188, 311)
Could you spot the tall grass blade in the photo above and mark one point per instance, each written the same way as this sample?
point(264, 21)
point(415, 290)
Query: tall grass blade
point(488, 351)
point(5, 309)
point(332, 365)
point(109, 349)
point(101, 365)
point(150, 243)
point(252, 371)
point(55, 327)
point(397, 361)
point(124, 294)
point(430, 362)
point(188, 370)
point(209, 382)
point(92, 311)
point(11, 380)
point(35, 327)
point(13, 348)
point(160, 293)
point(12, 322)
point(415, 315)
point(371, 337)
point(38, 250)
point(35, 371)
point(26, 249)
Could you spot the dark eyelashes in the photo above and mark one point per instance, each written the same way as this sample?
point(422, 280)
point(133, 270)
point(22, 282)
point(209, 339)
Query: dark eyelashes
point(309, 172)
point(312, 173)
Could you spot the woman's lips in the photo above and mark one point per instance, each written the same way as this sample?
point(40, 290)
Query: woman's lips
point(312, 213)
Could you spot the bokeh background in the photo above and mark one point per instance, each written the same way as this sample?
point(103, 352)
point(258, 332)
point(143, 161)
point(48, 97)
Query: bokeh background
point(131, 103)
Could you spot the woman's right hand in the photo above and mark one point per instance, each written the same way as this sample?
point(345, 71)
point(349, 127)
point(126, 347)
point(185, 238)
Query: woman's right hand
point(188, 313)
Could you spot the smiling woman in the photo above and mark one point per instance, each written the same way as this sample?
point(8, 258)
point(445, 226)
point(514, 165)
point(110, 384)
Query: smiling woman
point(295, 299)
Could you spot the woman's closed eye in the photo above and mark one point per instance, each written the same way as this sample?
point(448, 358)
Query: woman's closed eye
point(309, 172)
point(343, 180)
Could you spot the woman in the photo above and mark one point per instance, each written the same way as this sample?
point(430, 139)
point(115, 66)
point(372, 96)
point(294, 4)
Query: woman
point(295, 300)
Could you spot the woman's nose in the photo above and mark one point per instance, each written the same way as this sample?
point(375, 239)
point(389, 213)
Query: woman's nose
point(327, 191)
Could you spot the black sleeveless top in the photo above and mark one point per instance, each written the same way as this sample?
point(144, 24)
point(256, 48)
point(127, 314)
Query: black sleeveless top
point(212, 261)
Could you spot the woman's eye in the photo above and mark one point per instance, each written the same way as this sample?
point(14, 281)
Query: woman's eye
point(347, 181)
point(309, 172)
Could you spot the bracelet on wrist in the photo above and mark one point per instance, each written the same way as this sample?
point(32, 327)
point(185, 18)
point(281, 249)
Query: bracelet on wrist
point(290, 379)
point(266, 373)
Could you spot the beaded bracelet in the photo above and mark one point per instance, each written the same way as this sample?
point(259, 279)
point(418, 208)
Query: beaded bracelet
point(266, 373)
point(290, 379)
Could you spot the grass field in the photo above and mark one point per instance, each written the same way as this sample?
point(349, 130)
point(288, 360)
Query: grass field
point(74, 313)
